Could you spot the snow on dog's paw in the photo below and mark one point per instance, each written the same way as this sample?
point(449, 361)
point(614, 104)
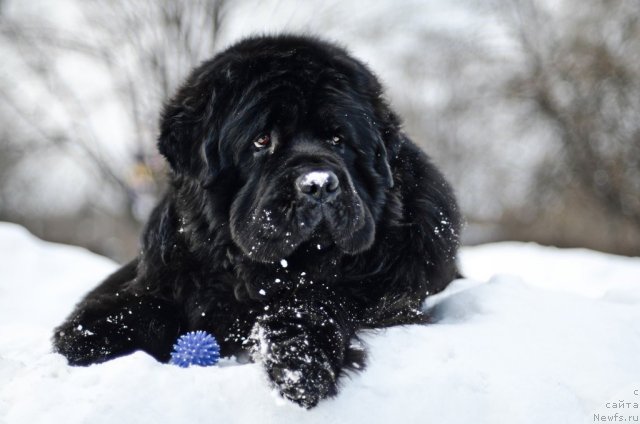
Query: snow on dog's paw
point(299, 371)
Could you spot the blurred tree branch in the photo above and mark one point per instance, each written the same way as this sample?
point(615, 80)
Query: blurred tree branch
point(137, 51)
point(582, 75)
point(146, 47)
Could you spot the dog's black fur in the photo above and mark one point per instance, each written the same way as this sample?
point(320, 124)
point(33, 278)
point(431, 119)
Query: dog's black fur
point(250, 247)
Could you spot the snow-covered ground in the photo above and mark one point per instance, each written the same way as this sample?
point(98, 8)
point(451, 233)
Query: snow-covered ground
point(535, 335)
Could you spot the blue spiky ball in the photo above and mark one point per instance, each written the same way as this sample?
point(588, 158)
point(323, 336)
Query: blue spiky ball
point(195, 348)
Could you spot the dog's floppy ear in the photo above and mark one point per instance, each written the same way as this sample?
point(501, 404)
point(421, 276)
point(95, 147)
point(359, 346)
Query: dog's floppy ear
point(388, 126)
point(177, 137)
point(386, 122)
point(188, 136)
point(382, 165)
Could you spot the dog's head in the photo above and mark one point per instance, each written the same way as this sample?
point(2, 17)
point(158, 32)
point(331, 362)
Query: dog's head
point(299, 133)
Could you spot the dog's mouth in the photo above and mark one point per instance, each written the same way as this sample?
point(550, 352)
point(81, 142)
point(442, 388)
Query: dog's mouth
point(276, 229)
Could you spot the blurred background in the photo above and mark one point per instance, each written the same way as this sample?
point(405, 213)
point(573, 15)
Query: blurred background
point(530, 107)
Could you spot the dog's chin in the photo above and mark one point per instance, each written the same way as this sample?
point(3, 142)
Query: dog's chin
point(313, 231)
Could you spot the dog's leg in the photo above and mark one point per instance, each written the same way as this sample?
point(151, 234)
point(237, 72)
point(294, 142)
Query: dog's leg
point(105, 327)
point(112, 321)
point(304, 346)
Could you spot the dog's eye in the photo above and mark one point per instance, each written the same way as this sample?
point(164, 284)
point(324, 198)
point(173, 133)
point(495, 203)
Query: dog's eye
point(336, 140)
point(263, 141)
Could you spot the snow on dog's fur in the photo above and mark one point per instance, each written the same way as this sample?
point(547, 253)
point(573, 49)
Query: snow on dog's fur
point(298, 213)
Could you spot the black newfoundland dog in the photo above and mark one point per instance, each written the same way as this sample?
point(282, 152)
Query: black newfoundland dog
point(298, 214)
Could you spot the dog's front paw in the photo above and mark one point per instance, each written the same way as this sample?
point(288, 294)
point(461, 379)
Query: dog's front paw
point(105, 328)
point(85, 340)
point(300, 371)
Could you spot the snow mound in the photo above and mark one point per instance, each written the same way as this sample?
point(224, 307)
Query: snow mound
point(534, 335)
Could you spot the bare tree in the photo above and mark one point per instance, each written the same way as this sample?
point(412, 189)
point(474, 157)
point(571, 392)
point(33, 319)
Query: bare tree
point(143, 48)
point(581, 75)
point(537, 127)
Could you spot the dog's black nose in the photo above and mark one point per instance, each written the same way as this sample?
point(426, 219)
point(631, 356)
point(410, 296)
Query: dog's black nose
point(319, 185)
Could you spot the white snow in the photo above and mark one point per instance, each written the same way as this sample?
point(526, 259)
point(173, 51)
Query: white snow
point(534, 335)
point(318, 178)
